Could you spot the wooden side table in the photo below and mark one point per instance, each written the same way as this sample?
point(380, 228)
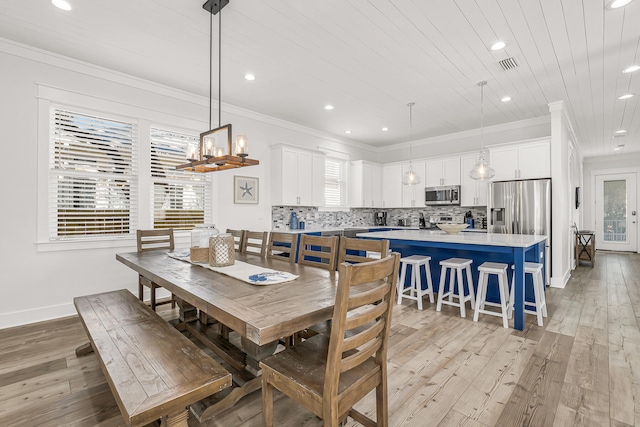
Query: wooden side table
point(586, 247)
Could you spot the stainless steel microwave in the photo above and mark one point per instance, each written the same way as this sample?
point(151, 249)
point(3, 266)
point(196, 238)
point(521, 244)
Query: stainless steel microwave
point(446, 195)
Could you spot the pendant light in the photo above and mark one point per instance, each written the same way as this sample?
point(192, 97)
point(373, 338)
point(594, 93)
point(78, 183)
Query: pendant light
point(410, 177)
point(213, 156)
point(482, 170)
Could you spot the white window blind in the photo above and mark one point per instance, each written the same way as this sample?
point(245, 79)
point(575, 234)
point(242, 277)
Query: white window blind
point(179, 197)
point(335, 187)
point(93, 169)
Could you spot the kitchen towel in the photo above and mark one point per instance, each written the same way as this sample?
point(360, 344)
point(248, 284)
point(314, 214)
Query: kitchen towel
point(246, 272)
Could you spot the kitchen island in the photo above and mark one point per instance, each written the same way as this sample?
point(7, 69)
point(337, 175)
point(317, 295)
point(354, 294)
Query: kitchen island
point(480, 247)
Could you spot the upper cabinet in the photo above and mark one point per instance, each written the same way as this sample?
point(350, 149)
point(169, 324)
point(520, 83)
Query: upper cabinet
point(522, 161)
point(297, 177)
point(391, 186)
point(472, 192)
point(444, 171)
point(413, 195)
point(365, 185)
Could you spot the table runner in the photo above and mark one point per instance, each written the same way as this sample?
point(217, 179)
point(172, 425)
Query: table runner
point(246, 272)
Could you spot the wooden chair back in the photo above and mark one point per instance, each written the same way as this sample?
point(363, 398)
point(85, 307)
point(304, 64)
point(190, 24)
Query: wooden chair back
point(364, 303)
point(254, 242)
point(349, 245)
point(149, 240)
point(318, 251)
point(237, 238)
point(282, 243)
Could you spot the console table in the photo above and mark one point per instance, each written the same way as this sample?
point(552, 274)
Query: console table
point(585, 247)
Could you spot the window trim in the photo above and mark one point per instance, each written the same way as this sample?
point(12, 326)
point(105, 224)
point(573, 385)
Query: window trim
point(49, 96)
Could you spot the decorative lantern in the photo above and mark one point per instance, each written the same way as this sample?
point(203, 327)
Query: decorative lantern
point(222, 250)
point(199, 250)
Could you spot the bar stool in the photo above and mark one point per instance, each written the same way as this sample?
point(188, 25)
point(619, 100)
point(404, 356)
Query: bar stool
point(415, 285)
point(535, 269)
point(457, 264)
point(499, 270)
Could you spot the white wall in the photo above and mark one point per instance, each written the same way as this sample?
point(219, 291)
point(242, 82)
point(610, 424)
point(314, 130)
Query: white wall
point(562, 193)
point(39, 279)
point(618, 163)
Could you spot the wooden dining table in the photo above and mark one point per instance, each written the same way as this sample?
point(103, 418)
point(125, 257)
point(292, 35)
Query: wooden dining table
point(261, 315)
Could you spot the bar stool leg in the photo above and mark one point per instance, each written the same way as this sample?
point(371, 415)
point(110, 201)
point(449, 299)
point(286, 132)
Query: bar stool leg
point(503, 299)
point(538, 303)
point(427, 270)
point(482, 284)
point(403, 272)
point(543, 297)
point(413, 290)
point(443, 277)
point(452, 284)
point(470, 284)
point(418, 284)
point(463, 309)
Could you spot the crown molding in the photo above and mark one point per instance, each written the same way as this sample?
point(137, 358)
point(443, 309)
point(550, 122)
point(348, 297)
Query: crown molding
point(64, 62)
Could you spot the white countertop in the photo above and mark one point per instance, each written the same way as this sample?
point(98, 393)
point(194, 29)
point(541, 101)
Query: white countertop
point(491, 239)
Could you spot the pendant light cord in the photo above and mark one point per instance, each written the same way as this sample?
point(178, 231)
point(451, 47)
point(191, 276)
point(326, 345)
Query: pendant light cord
point(482, 84)
point(210, 66)
point(220, 67)
point(410, 105)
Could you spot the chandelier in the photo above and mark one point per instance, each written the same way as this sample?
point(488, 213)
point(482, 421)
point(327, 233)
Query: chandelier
point(215, 151)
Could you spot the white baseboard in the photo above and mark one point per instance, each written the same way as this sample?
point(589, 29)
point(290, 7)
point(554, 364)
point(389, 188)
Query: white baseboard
point(34, 315)
point(561, 283)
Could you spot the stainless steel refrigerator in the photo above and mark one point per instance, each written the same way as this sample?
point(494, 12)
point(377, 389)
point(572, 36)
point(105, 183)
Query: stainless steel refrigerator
point(521, 207)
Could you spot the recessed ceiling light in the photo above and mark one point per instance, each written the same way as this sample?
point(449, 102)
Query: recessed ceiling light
point(384, 129)
point(625, 96)
point(347, 131)
point(328, 107)
point(631, 69)
point(249, 77)
point(614, 4)
point(61, 4)
point(506, 99)
point(619, 147)
point(498, 45)
point(621, 131)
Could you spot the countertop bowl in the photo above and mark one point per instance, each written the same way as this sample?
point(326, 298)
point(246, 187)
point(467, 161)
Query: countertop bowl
point(452, 228)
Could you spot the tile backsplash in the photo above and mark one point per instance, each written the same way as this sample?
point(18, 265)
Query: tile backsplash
point(314, 218)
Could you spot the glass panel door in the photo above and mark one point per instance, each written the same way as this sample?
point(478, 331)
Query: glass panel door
point(616, 218)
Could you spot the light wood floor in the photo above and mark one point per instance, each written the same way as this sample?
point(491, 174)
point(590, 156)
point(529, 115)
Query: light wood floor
point(581, 369)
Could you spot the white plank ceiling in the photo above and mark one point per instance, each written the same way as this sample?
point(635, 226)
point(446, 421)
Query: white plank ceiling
point(369, 58)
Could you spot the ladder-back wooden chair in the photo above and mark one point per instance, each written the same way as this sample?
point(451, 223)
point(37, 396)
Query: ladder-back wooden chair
point(254, 242)
point(351, 249)
point(282, 245)
point(328, 375)
point(237, 238)
point(151, 240)
point(318, 251)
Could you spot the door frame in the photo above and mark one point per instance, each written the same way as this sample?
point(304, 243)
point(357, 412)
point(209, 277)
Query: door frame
point(595, 208)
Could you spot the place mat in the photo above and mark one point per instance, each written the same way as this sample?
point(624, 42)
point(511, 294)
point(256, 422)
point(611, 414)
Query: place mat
point(246, 272)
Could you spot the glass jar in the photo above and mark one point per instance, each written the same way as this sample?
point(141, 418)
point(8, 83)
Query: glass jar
point(199, 251)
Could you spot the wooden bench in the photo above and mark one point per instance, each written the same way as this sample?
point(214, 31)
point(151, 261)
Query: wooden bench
point(152, 369)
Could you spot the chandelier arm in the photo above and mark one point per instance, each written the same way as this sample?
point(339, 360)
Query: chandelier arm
point(220, 69)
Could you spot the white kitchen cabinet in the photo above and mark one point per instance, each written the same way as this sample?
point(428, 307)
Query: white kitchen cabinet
point(444, 171)
point(365, 185)
point(472, 192)
point(392, 186)
point(523, 161)
point(297, 177)
point(413, 195)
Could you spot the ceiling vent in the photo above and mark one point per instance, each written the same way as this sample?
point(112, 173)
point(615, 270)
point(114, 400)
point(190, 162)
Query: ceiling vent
point(508, 64)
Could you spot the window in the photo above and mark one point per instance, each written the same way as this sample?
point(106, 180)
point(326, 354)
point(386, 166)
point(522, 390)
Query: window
point(179, 197)
point(93, 167)
point(335, 187)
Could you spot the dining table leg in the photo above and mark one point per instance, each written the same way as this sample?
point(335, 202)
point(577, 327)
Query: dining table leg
point(255, 353)
point(518, 288)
